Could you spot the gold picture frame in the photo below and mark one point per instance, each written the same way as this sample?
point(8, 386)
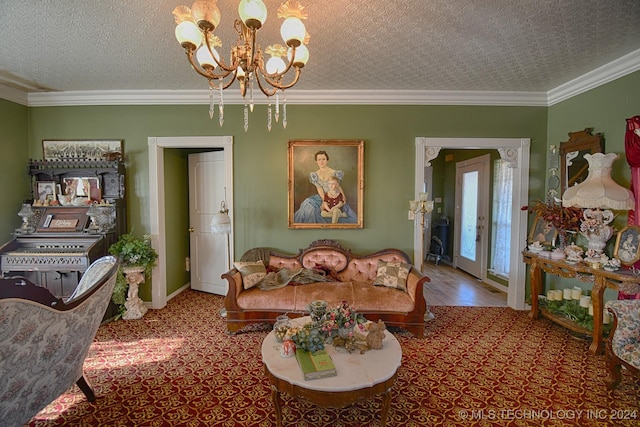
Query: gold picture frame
point(312, 166)
point(542, 231)
point(627, 248)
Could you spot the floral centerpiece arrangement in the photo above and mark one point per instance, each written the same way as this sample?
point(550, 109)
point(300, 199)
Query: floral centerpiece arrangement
point(342, 317)
point(133, 251)
point(564, 219)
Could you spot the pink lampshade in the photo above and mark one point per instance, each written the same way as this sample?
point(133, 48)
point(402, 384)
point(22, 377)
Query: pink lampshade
point(599, 190)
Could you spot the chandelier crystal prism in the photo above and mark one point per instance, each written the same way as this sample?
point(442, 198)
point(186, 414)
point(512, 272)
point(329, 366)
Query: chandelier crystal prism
point(195, 28)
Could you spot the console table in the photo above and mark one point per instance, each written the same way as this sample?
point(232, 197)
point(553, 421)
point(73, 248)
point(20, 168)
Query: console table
point(601, 279)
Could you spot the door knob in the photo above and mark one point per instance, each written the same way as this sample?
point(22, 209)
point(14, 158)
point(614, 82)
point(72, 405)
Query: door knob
point(191, 229)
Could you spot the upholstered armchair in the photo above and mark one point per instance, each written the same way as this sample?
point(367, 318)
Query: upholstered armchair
point(44, 341)
point(623, 345)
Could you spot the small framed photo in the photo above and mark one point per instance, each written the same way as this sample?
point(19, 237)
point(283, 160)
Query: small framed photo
point(45, 190)
point(542, 231)
point(88, 187)
point(627, 248)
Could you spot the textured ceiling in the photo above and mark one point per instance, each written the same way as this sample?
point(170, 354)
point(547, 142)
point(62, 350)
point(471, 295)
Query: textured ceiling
point(423, 45)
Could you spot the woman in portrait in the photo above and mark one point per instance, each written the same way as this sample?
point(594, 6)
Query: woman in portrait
point(310, 210)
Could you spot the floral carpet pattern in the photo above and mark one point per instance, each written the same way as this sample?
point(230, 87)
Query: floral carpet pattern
point(476, 366)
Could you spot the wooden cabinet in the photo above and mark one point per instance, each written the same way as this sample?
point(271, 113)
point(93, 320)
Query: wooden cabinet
point(600, 278)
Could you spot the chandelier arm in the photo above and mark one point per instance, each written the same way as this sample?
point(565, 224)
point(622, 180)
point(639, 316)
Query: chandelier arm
point(220, 62)
point(204, 72)
point(264, 90)
point(280, 85)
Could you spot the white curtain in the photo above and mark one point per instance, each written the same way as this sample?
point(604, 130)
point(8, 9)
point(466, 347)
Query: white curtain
point(502, 185)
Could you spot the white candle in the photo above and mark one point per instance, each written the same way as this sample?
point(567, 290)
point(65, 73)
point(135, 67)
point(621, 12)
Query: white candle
point(576, 293)
point(606, 317)
point(567, 293)
point(585, 301)
point(558, 295)
point(590, 309)
point(550, 295)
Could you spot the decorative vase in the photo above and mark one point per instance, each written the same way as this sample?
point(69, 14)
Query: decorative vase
point(596, 229)
point(281, 327)
point(134, 306)
point(317, 311)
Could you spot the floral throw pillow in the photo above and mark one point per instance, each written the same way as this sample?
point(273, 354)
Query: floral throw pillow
point(252, 272)
point(392, 274)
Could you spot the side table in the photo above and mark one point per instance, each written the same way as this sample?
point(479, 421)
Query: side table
point(360, 376)
point(601, 279)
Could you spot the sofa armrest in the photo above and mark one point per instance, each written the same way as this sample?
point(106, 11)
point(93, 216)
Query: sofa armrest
point(234, 279)
point(415, 283)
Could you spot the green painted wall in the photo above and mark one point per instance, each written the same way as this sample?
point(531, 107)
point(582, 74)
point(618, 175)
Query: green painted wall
point(13, 165)
point(260, 160)
point(177, 196)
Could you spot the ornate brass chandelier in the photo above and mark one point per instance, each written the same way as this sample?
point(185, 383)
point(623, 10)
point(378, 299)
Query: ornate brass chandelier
point(195, 33)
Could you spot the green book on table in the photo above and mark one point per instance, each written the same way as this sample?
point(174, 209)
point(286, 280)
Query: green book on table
point(315, 365)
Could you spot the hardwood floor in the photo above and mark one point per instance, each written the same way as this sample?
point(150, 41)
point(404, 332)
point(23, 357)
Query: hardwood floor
point(452, 287)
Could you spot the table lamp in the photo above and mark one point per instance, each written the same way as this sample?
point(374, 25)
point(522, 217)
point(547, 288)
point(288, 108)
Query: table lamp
point(598, 195)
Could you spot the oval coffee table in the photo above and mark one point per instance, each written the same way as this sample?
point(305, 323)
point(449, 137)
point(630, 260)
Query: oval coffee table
point(360, 376)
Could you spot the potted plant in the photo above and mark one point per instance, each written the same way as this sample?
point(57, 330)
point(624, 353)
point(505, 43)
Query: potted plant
point(137, 258)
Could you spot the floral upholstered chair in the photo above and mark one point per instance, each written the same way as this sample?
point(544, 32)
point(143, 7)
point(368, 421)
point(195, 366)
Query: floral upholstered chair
point(44, 341)
point(623, 345)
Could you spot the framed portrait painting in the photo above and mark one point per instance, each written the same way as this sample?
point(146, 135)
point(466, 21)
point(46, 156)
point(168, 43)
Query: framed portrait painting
point(542, 231)
point(627, 248)
point(326, 183)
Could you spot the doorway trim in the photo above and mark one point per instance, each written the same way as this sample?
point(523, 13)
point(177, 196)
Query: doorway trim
point(516, 152)
point(157, 199)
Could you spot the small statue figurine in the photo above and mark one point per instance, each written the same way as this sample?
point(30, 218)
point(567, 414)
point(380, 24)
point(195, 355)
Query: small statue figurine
point(376, 335)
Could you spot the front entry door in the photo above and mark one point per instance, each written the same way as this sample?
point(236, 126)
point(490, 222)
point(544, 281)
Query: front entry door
point(208, 252)
point(471, 214)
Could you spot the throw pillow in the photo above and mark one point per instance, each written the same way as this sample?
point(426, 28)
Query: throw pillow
point(392, 274)
point(252, 272)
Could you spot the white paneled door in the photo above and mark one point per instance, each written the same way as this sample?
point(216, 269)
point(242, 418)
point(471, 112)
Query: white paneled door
point(208, 251)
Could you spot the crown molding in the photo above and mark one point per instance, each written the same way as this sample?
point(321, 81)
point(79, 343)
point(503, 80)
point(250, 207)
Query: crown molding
point(609, 72)
point(613, 70)
point(310, 97)
point(14, 95)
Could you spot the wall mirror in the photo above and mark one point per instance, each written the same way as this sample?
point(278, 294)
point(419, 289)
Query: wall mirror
point(573, 166)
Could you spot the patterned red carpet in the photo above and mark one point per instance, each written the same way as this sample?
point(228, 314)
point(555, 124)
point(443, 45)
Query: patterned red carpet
point(477, 366)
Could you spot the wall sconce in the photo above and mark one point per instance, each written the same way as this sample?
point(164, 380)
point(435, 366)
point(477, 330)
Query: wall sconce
point(421, 206)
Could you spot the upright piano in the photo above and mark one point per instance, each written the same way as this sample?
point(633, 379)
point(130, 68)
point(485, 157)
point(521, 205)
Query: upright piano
point(58, 251)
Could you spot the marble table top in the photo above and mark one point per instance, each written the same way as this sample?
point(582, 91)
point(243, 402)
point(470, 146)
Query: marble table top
point(355, 370)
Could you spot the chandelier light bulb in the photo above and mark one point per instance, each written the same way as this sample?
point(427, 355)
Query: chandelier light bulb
point(293, 32)
point(253, 13)
point(204, 57)
point(206, 14)
point(188, 33)
point(275, 64)
point(302, 56)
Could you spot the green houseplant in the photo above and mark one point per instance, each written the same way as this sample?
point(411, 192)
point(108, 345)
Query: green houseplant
point(133, 251)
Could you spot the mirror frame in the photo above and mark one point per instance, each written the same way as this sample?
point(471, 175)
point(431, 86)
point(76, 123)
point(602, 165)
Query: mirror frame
point(582, 141)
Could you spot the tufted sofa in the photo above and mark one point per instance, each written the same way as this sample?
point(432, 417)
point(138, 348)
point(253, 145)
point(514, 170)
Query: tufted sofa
point(352, 279)
point(623, 345)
